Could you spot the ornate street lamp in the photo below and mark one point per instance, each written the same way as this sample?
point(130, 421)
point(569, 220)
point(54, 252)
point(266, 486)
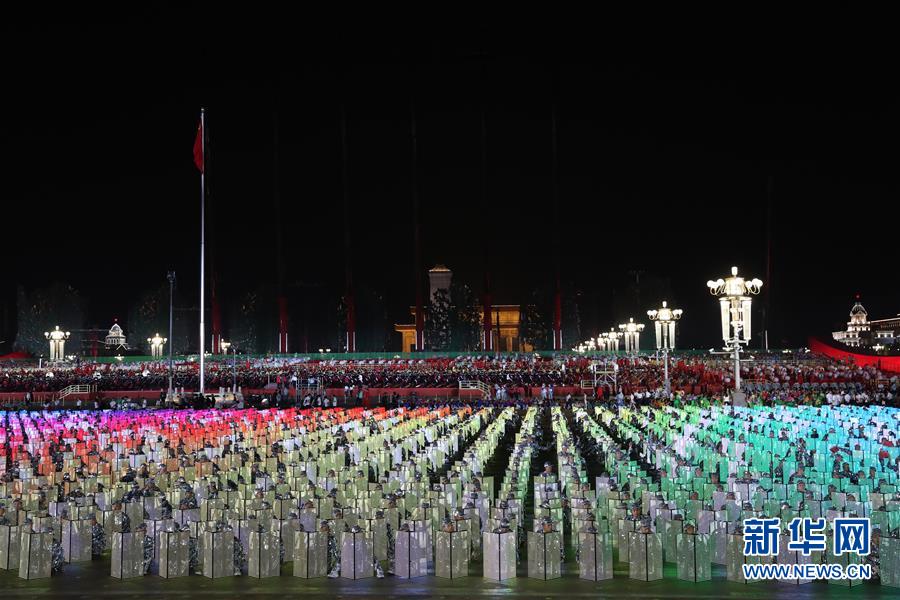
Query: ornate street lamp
point(664, 319)
point(156, 345)
point(613, 337)
point(57, 341)
point(224, 346)
point(632, 333)
point(734, 295)
point(603, 342)
point(591, 345)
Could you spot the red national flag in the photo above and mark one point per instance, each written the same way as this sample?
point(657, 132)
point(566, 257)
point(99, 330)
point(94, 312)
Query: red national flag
point(198, 148)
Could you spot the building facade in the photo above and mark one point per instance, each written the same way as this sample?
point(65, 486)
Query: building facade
point(505, 323)
point(863, 333)
point(115, 339)
point(505, 318)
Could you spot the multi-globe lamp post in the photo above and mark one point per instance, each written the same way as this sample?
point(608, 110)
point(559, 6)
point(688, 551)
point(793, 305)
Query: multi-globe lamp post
point(587, 346)
point(664, 319)
point(224, 346)
point(603, 342)
point(156, 345)
point(608, 341)
point(57, 339)
point(632, 334)
point(613, 339)
point(735, 299)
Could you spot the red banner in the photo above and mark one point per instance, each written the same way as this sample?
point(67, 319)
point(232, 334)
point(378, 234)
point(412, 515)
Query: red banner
point(885, 363)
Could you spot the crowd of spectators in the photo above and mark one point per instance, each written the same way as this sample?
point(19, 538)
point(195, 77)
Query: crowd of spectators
point(640, 375)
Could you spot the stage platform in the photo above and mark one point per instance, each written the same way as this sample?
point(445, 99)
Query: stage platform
point(92, 580)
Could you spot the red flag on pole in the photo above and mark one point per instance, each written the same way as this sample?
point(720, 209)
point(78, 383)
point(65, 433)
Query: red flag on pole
point(198, 148)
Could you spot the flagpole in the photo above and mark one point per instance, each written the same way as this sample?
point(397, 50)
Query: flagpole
point(202, 252)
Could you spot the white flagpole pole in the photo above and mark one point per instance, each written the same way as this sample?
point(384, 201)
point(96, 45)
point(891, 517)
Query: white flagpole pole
point(202, 252)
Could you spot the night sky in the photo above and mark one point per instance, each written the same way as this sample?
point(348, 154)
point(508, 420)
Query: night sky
point(661, 154)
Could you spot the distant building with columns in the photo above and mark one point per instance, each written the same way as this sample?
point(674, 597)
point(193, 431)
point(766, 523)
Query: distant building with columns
point(505, 318)
point(862, 333)
point(115, 339)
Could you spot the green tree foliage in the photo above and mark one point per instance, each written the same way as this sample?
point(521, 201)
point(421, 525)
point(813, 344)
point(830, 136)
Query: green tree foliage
point(244, 323)
point(465, 318)
point(571, 319)
point(150, 315)
point(340, 339)
point(43, 309)
point(438, 334)
point(535, 326)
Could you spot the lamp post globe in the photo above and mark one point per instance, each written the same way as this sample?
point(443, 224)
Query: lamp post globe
point(664, 319)
point(631, 332)
point(156, 345)
point(614, 336)
point(735, 301)
point(57, 340)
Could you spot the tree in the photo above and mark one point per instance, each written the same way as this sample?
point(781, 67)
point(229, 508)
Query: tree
point(44, 308)
point(465, 318)
point(534, 326)
point(244, 323)
point(340, 343)
point(438, 334)
point(571, 319)
point(149, 316)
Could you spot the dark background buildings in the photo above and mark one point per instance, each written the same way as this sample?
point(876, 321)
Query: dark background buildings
point(674, 165)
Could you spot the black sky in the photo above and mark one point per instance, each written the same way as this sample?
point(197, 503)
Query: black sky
point(660, 151)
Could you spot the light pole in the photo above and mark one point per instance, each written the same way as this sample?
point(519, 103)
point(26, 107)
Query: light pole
point(664, 318)
point(224, 346)
point(171, 277)
point(57, 341)
point(632, 332)
point(613, 337)
point(734, 295)
point(156, 345)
